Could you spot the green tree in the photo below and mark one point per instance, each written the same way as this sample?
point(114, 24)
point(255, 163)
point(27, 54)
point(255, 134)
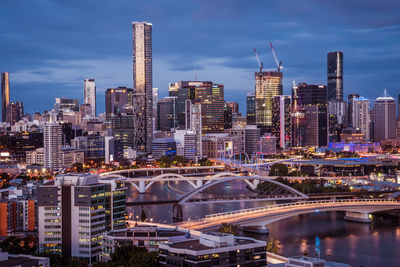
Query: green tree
point(228, 228)
point(78, 167)
point(143, 216)
point(278, 169)
point(273, 246)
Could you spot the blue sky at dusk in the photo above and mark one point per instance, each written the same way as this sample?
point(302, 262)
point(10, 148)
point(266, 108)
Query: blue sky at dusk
point(50, 46)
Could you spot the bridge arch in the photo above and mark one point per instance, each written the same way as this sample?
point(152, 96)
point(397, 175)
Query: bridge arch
point(167, 175)
point(185, 198)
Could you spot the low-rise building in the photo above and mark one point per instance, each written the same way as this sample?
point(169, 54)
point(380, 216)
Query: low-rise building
point(10, 260)
point(213, 249)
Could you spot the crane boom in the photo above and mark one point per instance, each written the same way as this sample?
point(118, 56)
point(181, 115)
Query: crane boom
point(260, 64)
point(277, 62)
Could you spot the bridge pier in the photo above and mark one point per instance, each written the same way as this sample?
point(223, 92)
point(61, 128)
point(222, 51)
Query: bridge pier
point(357, 217)
point(177, 213)
point(142, 187)
point(199, 183)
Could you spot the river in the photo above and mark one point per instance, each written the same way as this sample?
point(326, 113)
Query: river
point(357, 244)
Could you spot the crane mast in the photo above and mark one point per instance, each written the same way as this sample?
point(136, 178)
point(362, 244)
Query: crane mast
point(260, 64)
point(277, 62)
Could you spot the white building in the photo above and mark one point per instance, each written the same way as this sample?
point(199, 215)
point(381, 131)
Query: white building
point(89, 89)
point(361, 119)
point(52, 142)
point(75, 210)
point(35, 157)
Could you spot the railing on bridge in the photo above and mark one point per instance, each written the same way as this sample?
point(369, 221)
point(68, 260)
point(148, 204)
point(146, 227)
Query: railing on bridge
point(302, 203)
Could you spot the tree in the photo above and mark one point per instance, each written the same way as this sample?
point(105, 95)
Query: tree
point(228, 228)
point(278, 169)
point(273, 246)
point(78, 167)
point(143, 216)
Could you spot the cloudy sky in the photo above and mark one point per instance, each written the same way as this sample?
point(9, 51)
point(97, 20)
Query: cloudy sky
point(50, 46)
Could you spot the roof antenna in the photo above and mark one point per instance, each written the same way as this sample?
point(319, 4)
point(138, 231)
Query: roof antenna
point(195, 76)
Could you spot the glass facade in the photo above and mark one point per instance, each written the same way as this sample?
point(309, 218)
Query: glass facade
point(335, 76)
point(268, 85)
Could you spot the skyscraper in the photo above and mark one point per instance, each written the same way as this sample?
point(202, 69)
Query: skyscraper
point(118, 100)
point(335, 76)
point(312, 98)
point(143, 86)
point(384, 117)
point(52, 143)
point(211, 97)
point(361, 120)
point(5, 95)
point(281, 120)
point(268, 85)
point(350, 108)
point(89, 89)
point(251, 108)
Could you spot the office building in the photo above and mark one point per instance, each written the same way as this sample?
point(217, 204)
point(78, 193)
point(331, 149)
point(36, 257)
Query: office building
point(227, 116)
point(119, 100)
point(164, 147)
point(173, 89)
point(66, 104)
point(313, 101)
point(213, 249)
point(35, 157)
point(384, 117)
point(361, 119)
point(350, 108)
point(335, 76)
point(337, 115)
point(268, 85)
point(252, 140)
point(268, 144)
point(14, 112)
point(143, 86)
point(166, 114)
point(121, 127)
point(299, 123)
point(155, 114)
point(221, 145)
point(52, 144)
point(5, 95)
point(92, 145)
point(186, 144)
point(89, 91)
point(251, 109)
point(75, 210)
point(211, 98)
point(281, 120)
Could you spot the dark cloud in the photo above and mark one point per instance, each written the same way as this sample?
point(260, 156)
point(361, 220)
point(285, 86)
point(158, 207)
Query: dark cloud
point(51, 45)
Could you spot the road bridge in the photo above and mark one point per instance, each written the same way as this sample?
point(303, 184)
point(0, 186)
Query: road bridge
point(356, 210)
point(142, 184)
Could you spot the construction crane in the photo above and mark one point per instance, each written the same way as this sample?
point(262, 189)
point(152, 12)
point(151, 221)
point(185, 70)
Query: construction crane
point(260, 64)
point(277, 62)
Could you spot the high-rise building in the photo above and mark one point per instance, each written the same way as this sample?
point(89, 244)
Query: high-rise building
point(63, 104)
point(268, 85)
point(211, 97)
point(75, 210)
point(361, 120)
point(89, 90)
point(251, 108)
point(52, 143)
point(252, 140)
point(299, 123)
point(119, 100)
point(143, 86)
point(350, 108)
point(155, 114)
point(281, 120)
point(384, 117)
point(337, 113)
point(312, 98)
point(5, 95)
point(335, 76)
point(166, 114)
point(15, 112)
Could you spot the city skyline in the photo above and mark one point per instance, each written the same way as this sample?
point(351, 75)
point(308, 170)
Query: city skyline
point(54, 60)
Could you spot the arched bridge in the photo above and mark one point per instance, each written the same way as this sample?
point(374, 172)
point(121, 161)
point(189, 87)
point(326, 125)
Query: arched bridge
point(277, 191)
point(356, 210)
